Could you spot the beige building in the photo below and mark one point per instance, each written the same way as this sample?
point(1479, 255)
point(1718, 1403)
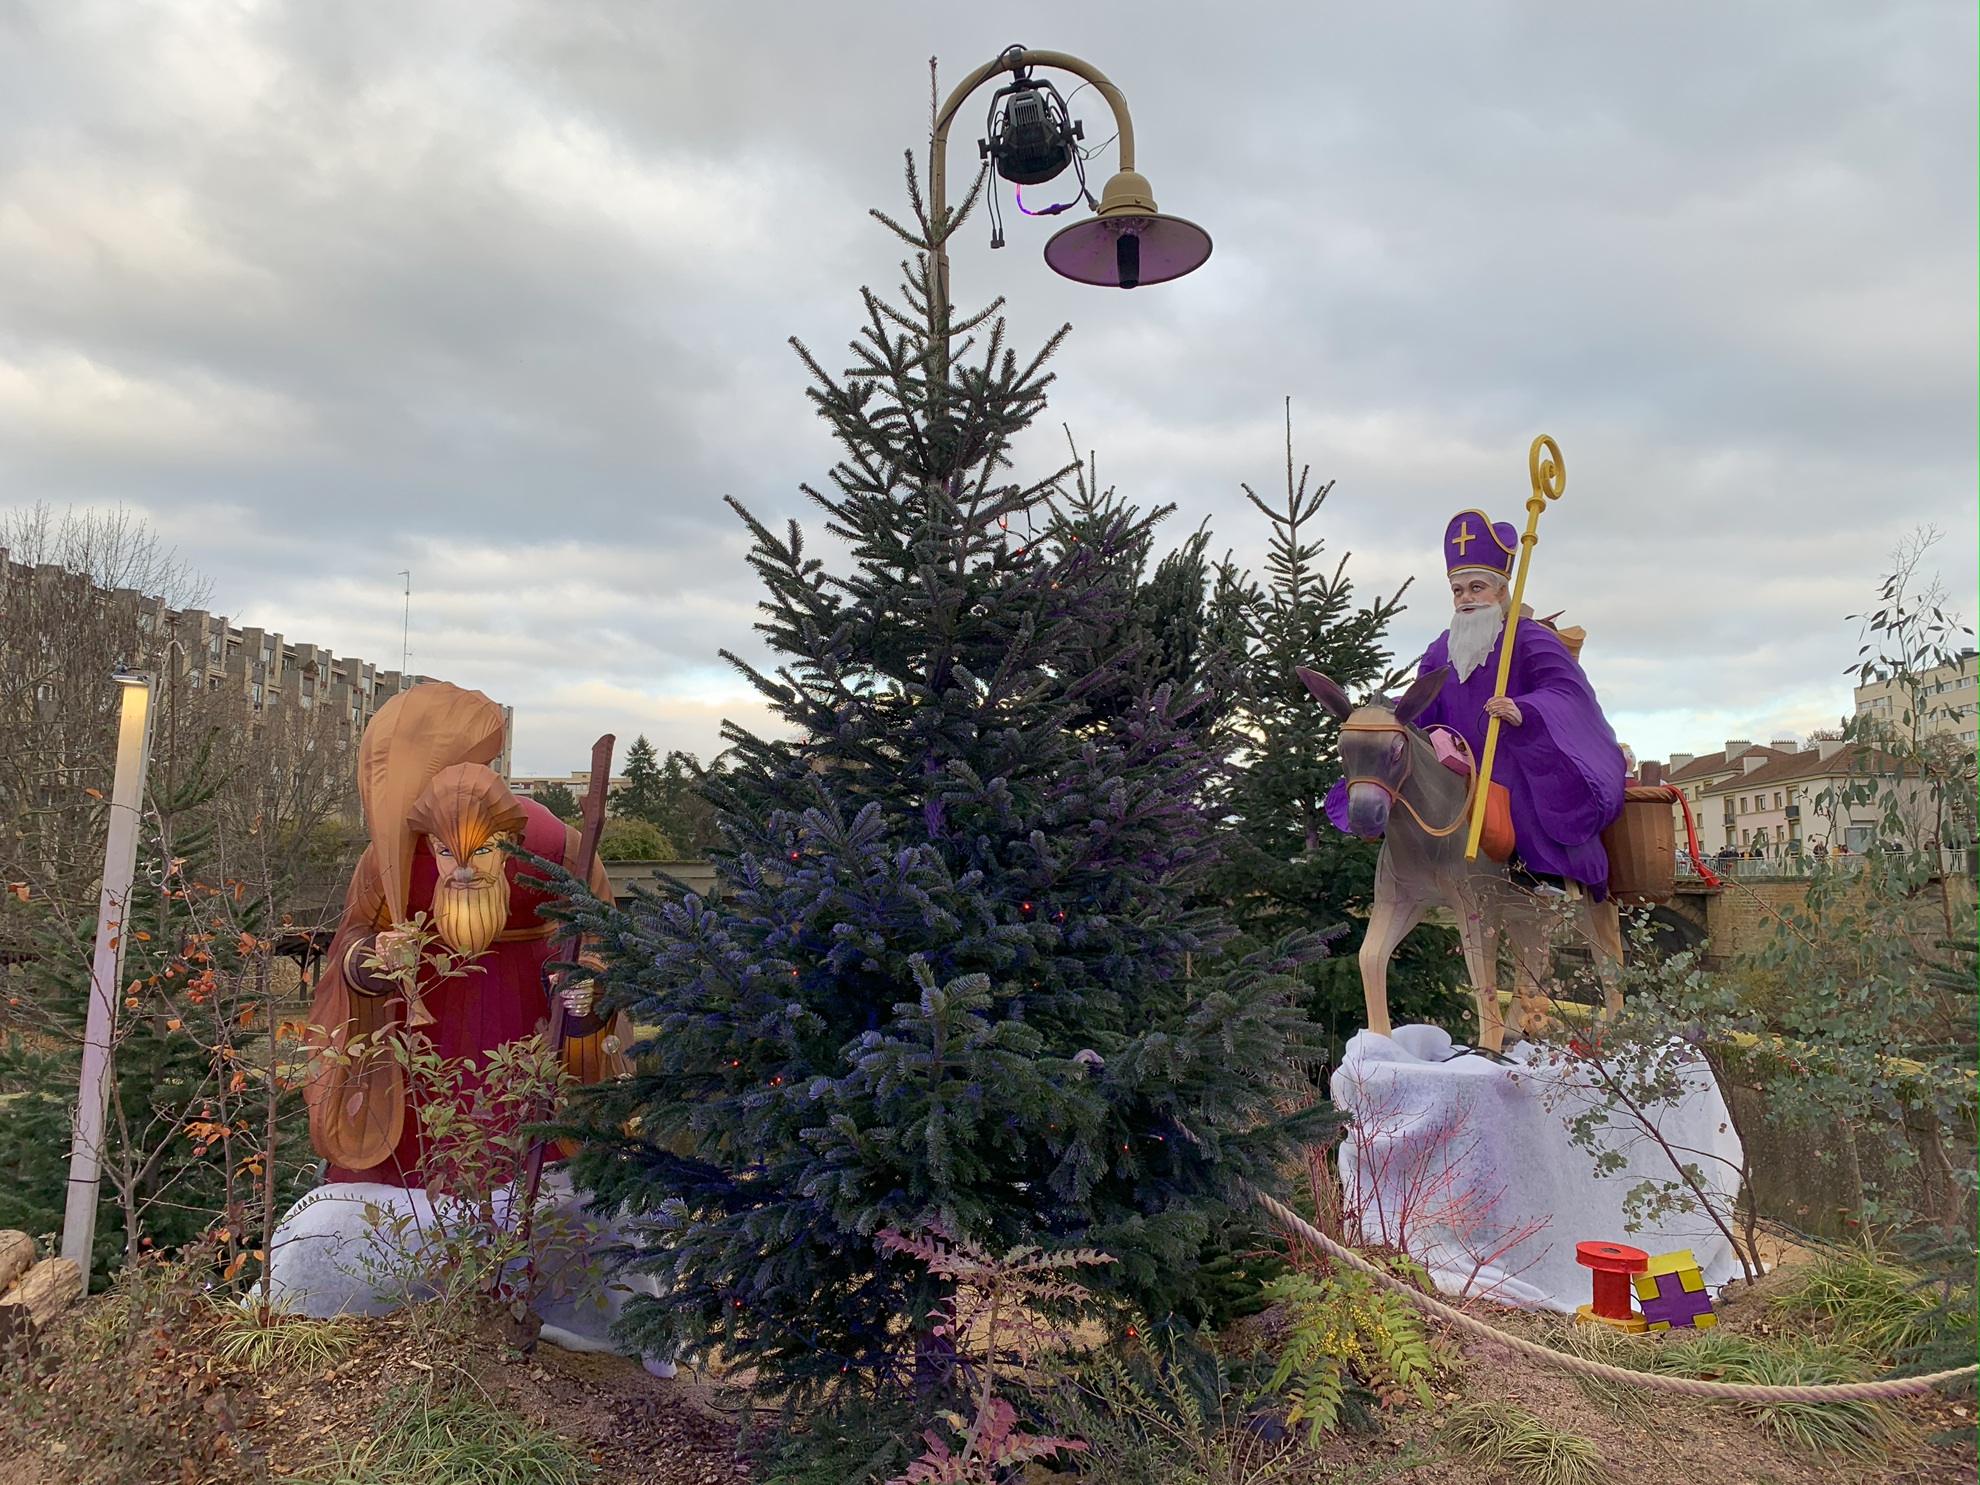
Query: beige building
point(273, 673)
point(1945, 696)
point(1798, 802)
point(206, 653)
point(527, 786)
point(1696, 774)
point(1786, 799)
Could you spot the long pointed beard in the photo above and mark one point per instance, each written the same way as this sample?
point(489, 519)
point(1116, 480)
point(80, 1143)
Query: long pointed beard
point(469, 920)
point(1473, 633)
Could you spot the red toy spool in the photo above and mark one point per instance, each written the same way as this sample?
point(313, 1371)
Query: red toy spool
point(1613, 1263)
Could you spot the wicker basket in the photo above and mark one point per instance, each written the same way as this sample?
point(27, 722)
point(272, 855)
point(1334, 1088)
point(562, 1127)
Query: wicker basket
point(1642, 846)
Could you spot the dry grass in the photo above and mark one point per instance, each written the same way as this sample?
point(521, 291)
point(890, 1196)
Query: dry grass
point(257, 1337)
point(455, 1436)
point(1509, 1437)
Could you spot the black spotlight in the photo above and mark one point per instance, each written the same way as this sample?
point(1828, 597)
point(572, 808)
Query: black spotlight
point(1031, 134)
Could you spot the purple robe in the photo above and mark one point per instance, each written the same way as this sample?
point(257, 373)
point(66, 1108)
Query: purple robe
point(1562, 766)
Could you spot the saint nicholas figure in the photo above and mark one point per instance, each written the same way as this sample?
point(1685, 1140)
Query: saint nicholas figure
point(1557, 756)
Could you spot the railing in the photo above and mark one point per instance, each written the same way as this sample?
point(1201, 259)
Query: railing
point(1953, 861)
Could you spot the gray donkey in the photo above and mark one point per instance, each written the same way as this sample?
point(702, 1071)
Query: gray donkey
point(1400, 791)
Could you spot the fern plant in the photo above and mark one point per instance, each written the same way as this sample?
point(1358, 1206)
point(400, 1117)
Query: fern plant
point(1000, 1314)
point(1346, 1339)
point(1171, 1410)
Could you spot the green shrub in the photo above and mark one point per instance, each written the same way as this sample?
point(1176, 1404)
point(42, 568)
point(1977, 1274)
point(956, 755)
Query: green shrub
point(1875, 1307)
point(627, 839)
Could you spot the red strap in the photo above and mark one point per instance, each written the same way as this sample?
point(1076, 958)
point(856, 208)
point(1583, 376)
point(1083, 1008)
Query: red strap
point(1705, 873)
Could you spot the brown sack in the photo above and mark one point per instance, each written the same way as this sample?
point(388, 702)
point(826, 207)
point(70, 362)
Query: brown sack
point(1496, 841)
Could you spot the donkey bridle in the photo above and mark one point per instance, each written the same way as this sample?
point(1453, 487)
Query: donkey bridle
point(1395, 792)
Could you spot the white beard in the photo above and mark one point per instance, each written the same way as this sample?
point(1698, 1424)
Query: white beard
point(1474, 632)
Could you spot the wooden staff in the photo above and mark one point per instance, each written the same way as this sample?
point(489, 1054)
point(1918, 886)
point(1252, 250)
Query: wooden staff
point(569, 947)
point(1549, 476)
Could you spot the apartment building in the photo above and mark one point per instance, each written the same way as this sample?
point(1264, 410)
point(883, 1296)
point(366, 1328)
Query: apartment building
point(1944, 696)
point(1807, 799)
point(528, 786)
point(1698, 774)
point(1789, 798)
point(268, 671)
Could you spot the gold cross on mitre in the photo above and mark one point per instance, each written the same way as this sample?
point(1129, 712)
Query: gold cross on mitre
point(1464, 538)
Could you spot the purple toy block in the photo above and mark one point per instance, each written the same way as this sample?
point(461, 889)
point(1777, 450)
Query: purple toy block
point(1673, 1305)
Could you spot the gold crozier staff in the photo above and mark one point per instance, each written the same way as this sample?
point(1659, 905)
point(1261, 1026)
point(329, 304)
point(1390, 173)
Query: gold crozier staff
point(1549, 477)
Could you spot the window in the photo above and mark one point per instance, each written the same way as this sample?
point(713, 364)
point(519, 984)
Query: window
point(1745, 837)
point(1742, 804)
point(1777, 799)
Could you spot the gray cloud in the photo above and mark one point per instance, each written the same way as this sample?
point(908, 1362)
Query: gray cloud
point(499, 293)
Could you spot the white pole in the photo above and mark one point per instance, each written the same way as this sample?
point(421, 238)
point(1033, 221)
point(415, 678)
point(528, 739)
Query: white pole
point(106, 972)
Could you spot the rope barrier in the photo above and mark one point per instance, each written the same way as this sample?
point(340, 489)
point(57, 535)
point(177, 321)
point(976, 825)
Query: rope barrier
point(1828, 1392)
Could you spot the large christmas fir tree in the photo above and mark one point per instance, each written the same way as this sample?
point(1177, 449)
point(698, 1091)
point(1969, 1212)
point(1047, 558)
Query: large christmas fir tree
point(959, 970)
point(1284, 865)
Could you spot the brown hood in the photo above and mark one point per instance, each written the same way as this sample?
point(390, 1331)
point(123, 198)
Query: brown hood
point(466, 805)
point(415, 737)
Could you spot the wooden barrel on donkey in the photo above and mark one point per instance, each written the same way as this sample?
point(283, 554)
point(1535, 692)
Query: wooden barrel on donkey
point(1642, 846)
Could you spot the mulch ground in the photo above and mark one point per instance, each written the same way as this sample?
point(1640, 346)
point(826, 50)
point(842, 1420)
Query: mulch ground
point(1657, 1439)
point(165, 1411)
point(172, 1415)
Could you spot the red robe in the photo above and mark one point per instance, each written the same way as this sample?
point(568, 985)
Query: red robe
point(501, 1000)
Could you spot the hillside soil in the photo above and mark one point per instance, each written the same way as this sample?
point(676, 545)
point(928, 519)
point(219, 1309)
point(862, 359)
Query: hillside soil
point(155, 1403)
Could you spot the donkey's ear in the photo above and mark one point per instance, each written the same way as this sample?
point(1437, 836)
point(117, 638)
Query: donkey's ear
point(1326, 692)
point(1422, 691)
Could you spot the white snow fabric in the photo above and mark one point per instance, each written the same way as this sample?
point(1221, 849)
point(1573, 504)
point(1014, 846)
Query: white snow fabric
point(1466, 1164)
point(346, 1249)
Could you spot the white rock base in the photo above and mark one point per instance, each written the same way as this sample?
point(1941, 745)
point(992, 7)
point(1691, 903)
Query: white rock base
point(1466, 1165)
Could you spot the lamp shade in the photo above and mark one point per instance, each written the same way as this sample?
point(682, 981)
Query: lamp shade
point(1127, 249)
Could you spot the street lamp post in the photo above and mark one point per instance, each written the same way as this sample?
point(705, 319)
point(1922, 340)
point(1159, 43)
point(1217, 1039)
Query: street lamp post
point(1126, 243)
point(106, 968)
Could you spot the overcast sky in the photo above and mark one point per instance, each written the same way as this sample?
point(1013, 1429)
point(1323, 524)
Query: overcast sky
point(499, 293)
